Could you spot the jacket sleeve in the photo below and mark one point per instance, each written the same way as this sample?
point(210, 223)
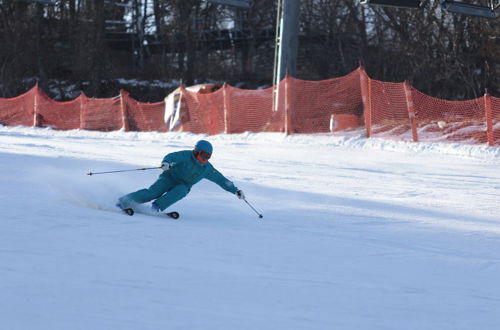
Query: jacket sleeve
point(174, 158)
point(217, 177)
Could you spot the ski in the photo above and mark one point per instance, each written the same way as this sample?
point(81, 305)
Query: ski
point(129, 211)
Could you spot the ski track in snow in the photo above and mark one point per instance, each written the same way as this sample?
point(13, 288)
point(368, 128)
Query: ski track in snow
point(357, 234)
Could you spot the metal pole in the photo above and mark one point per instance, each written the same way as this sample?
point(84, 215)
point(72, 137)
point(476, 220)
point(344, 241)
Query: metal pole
point(287, 42)
point(137, 169)
point(260, 215)
point(277, 44)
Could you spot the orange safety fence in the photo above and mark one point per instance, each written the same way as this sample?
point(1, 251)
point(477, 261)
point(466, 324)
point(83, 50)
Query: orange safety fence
point(386, 112)
point(450, 120)
point(140, 116)
point(202, 113)
point(18, 110)
point(59, 115)
point(398, 110)
point(250, 110)
point(386, 109)
point(312, 103)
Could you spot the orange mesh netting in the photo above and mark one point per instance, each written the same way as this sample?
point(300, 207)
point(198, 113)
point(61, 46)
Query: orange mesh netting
point(202, 113)
point(439, 120)
point(141, 116)
point(102, 114)
point(18, 110)
point(312, 103)
point(389, 115)
point(494, 134)
point(58, 115)
point(250, 110)
point(390, 110)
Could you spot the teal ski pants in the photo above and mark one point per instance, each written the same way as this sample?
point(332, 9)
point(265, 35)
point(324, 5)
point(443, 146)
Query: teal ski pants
point(164, 190)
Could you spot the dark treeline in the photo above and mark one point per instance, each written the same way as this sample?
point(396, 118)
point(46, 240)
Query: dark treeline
point(89, 44)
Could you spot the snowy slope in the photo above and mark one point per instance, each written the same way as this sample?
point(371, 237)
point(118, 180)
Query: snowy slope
point(357, 234)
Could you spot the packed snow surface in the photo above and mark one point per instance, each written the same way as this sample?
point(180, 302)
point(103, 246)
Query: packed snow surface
point(357, 234)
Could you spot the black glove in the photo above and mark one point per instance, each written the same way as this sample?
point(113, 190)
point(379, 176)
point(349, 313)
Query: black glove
point(240, 194)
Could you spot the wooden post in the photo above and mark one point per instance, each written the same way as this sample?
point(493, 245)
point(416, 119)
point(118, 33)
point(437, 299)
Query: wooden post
point(411, 110)
point(226, 110)
point(83, 109)
point(36, 119)
point(489, 119)
point(365, 84)
point(288, 103)
point(125, 122)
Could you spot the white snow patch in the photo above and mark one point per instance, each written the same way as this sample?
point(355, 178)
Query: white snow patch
point(357, 234)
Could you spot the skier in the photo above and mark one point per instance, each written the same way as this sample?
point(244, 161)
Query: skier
point(181, 170)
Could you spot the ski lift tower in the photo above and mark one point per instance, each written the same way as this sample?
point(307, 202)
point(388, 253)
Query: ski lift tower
point(286, 47)
point(287, 39)
point(287, 35)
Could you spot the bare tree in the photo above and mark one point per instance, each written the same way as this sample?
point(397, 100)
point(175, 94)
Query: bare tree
point(442, 54)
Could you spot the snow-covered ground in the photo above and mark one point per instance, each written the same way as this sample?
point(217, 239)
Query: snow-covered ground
point(357, 234)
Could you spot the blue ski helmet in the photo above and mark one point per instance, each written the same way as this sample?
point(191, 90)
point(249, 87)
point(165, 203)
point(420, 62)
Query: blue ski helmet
point(203, 145)
point(203, 151)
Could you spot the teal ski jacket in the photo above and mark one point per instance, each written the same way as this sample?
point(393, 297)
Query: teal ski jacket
point(187, 170)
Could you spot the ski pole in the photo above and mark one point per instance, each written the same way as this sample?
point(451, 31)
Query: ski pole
point(260, 215)
point(137, 169)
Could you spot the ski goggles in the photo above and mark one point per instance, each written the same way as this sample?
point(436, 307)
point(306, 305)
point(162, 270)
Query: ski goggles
point(202, 156)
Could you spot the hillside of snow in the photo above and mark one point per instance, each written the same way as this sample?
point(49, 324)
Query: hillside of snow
point(357, 234)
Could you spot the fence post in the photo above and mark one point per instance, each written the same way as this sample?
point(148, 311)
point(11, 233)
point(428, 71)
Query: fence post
point(489, 119)
point(288, 115)
point(36, 119)
point(226, 110)
point(126, 126)
point(82, 110)
point(365, 84)
point(411, 110)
